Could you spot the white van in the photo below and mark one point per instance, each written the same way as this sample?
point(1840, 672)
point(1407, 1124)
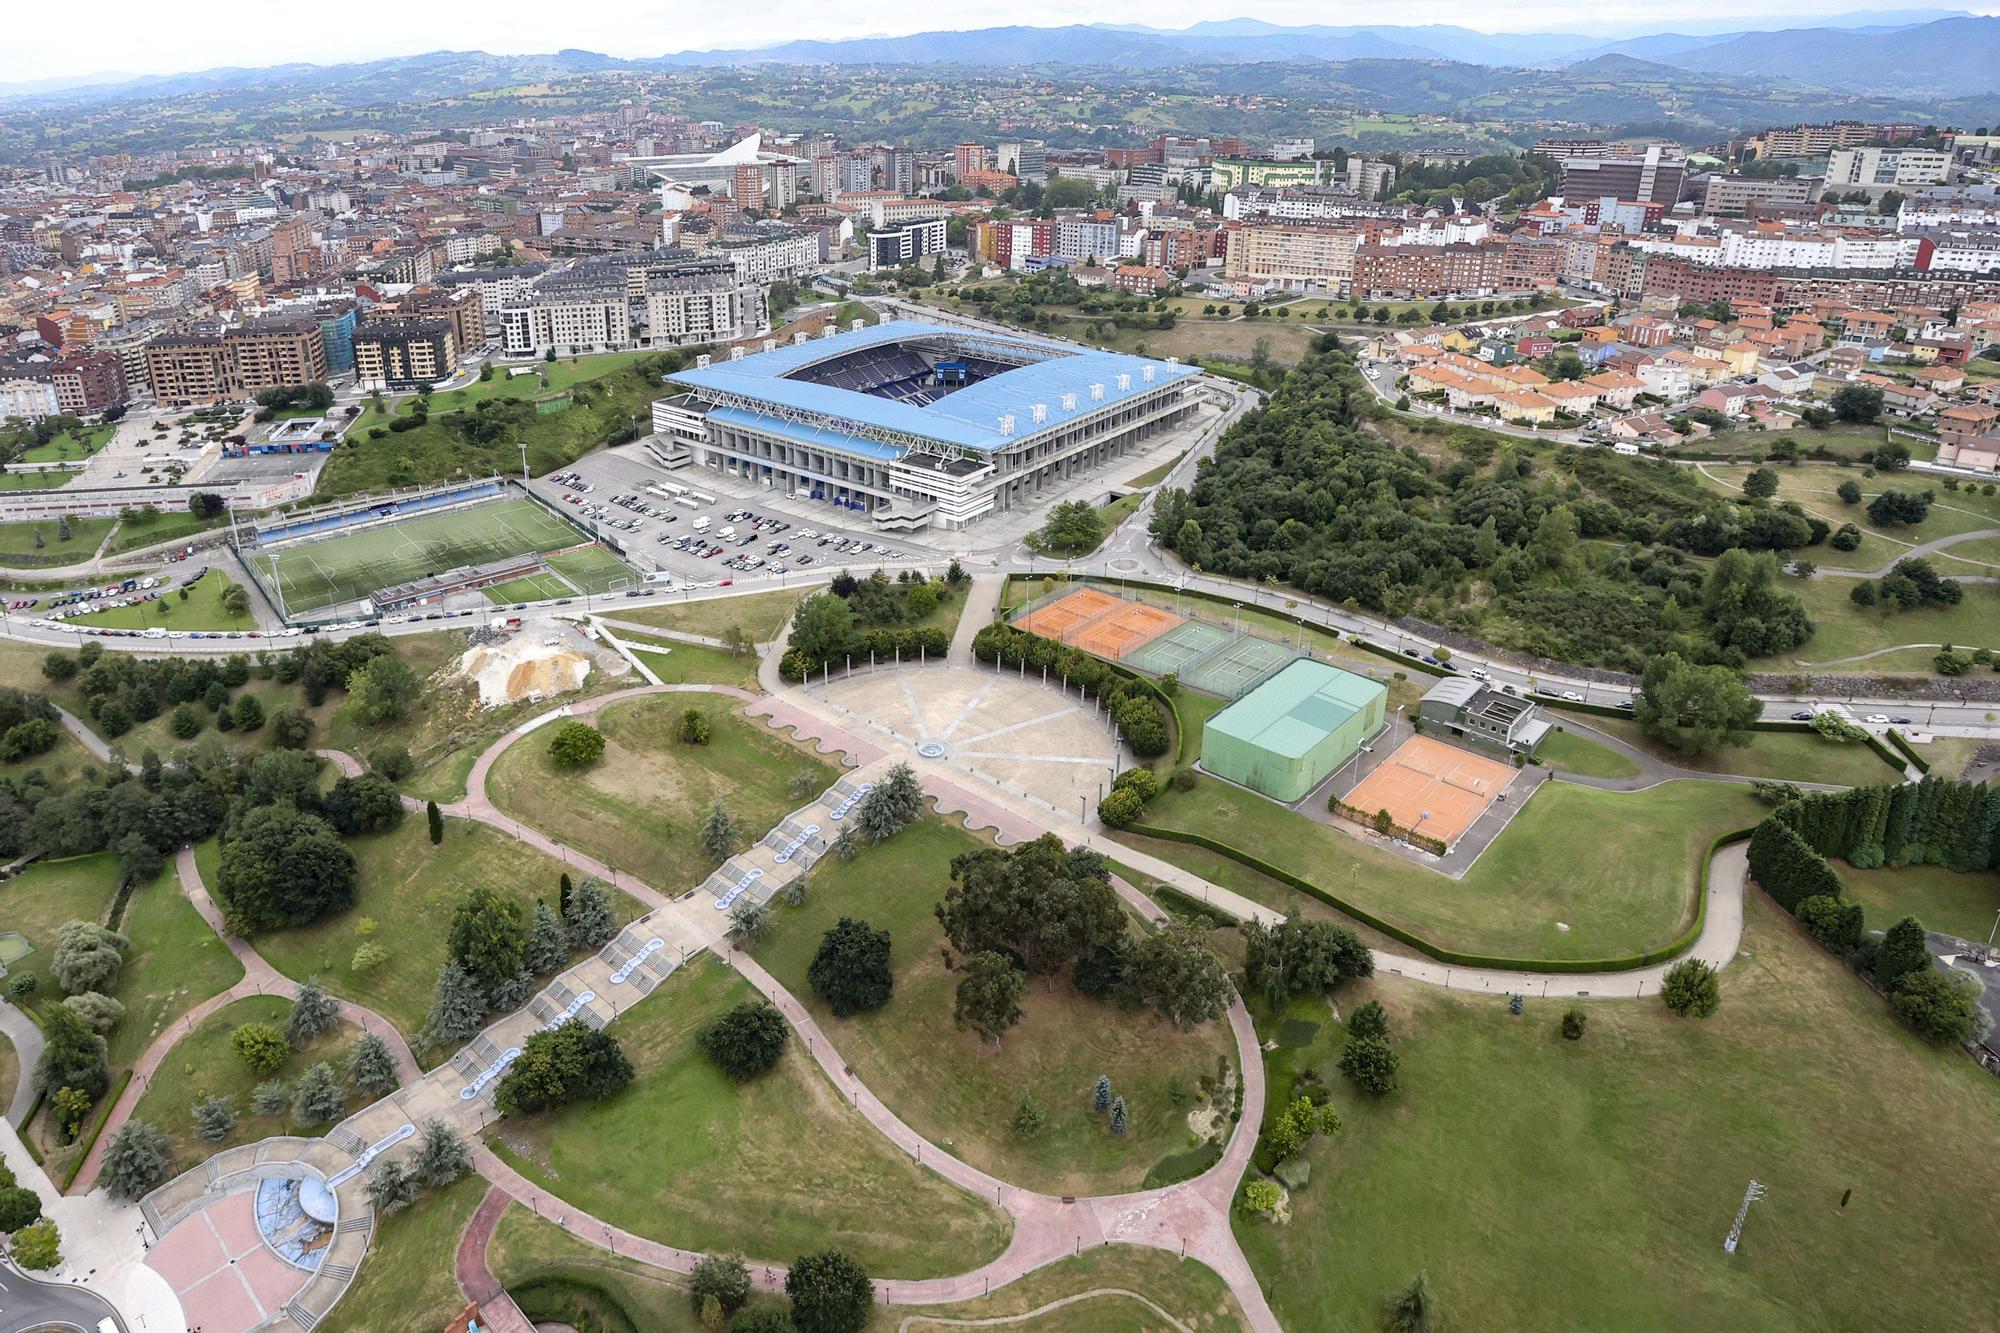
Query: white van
point(701, 524)
point(1627, 448)
point(727, 532)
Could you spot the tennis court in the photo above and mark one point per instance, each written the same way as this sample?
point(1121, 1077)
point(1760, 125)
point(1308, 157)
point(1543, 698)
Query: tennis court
point(1130, 627)
point(1239, 666)
point(1064, 615)
point(1432, 788)
point(1179, 647)
point(311, 575)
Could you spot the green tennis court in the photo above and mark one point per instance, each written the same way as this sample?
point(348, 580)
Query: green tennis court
point(311, 575)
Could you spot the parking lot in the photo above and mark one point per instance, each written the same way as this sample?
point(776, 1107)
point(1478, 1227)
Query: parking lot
point(608, 493)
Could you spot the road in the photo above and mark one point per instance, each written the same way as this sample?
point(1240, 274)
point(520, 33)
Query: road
point(28, 1306)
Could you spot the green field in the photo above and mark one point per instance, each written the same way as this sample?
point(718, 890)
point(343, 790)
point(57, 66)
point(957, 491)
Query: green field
point(1841, 629)
point(775, 1167)
point(547, 378)
point(534, 588)
point(1794, 756)
point(149, 528)
point(313, 575)
point(70, 445)
point(592, 569)
point(202, 1064)
point(17, 541)
point(33, 481)
point(640, 807)
point(1963, 905)
point(1509, 1155)
point(409, 889)
point(760, 615)
point(410, 1264)
point(1567, 752)
point(695, 664)
point(1629, 865)
point(202, 610)
point(953, 1087)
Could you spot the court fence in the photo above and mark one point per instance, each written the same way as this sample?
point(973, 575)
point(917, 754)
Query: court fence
point(1387, 827)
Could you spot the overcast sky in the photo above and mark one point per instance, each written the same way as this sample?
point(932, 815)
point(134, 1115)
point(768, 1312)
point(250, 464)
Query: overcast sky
point(42, 41)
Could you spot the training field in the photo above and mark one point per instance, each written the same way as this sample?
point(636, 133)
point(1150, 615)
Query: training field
point(534, 588)
point(312, 575)
point(593, 569)
point(1434, 788)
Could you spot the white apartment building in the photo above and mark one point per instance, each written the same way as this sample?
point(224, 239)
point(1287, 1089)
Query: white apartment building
point(26, 396)
point(702, 307)
point(569, 323)
point(777, 255)
point(1292, 256)
point(1887, 166)
point(1370, 180)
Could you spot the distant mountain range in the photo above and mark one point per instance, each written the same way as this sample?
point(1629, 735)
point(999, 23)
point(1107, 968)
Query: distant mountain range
point(1909, 55)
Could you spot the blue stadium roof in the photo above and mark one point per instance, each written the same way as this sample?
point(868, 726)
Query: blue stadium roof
point(967, 417)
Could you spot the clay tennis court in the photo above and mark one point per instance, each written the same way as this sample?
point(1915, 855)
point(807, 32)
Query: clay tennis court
point(1132, 626)
point(1064, 614)
point(1433, 788)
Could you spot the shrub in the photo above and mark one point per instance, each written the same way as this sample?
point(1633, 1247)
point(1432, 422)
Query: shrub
point(1370, 1064)
point(1938, 1005)
point(136, 1161)
point(1692, 989)
point(850, 970)
point(576, 745)
point(725, 1278)
point(1573, 1024)
point(1262, 1196)
point(1369, 1021)
point(747, 1040)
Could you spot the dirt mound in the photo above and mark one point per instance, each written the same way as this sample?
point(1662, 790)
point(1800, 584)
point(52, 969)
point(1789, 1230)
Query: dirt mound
point(520, 668)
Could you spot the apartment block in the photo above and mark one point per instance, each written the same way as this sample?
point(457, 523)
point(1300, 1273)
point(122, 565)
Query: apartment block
point(404, 352)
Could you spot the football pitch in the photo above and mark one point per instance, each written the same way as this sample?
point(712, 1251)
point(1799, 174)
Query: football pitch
point(313, 575)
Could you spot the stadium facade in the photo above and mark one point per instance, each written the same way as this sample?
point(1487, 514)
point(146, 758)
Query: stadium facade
point(917, 424)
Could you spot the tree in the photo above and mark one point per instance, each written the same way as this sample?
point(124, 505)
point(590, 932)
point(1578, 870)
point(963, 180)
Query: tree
point(88, 957)
point(214, 1116)
point(989, 995)
point(546, 949)
point(749, 921)
point(136, 1161)
point(1297, 956)
point(745, 1041)
point(382, 690)
point(489, 936)
point(1856, 403)
point(822, 629)
point(1073, 527)
point(830, 1293)
point(1100, 1094)
point(1902, 953)
point(1297, 1124)
point(1369, 1021)
point(271, 1097)
point(574, 1063)
point(261, 1047)
point(72, 1056)
point(1691, 987)
point(1899, 507)
point(694, 728)
point(718, 836)
point(371, 1066)
point(320, 1098)
point(314, 1014)
point(442, 1155)
point(896, 801)
point(1891, 456)
point(588, 920)
point(1760, 483)
point(391, 761)
point(1695, 709)
point(1849, 491)
point(1940, 1006)
point(723, 1278)
point(1028, 1118)
point(435, 818)
point(458, 1007)
point(284, 868)
point(38, 1247)
point(1180, 977)
point(1370, 1064)
point(69, 1106)
point(246, 714)
point(101, 1012)
point(1412, 1309)
point(1118, 1118)
point(19, 1207)
point(576, 745)
point(850, 969)
point(1032, 901)
point(391, 1187)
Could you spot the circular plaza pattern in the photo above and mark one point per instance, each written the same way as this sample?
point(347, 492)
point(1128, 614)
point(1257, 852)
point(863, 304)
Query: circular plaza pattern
point(1044, 742)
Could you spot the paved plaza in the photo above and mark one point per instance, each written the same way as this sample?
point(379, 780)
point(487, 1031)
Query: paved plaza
point(1004, 727)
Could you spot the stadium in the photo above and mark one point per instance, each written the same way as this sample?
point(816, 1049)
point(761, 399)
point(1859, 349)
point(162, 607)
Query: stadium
point(916, 424)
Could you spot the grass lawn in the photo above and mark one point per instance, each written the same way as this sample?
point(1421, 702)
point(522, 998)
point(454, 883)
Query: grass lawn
point(1567, 752)
point(593, 569)
point(149, 527)
point(775, 1167)
point(761, 615)
point(1630, 865)
point(534, 588)
point(1796, 756)
point(640, 807)
point(560, 375)
point(1189, 1291)
point(201, 1063)
point(202, 610)
point(1841, 629)
point(1619, 1161)
point(695, 664)
point(10, 1071)
point(409, 888)
point(67, 762)
point(954, 1088)
point(1814, 485)
point(1195, 709)
point(409, 1266)
point(69, 445)
point(33, 481)
point(17, 541)
point(1154, 476)
point(555, 1276)
point(1974, 555)
point(1961, 905)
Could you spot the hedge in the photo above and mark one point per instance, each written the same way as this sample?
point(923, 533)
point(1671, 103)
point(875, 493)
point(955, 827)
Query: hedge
point(1908, 751)
point(1366, 818)
point(1186, 904)
point(1677, 945)
point(97, 1128)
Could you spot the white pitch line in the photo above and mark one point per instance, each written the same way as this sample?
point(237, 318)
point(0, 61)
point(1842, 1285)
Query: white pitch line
point(1020, 726)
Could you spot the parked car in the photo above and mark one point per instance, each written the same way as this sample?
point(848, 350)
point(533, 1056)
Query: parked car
point(1802, 716)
